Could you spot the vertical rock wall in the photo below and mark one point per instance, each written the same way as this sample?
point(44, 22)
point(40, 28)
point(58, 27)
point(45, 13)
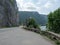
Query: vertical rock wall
point(8, 13)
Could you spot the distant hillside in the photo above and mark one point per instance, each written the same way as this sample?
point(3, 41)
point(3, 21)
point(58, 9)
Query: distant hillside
point(39, 18)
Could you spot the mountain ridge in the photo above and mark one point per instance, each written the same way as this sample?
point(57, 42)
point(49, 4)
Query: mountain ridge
point(41, 19)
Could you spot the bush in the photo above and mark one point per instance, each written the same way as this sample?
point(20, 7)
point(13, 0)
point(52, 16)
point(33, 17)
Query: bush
point(32, 23)
point(57, 42)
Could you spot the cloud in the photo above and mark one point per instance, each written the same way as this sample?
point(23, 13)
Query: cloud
point(29, 6)
point(48, 5)
point(20, 4)
point(41, 6)
point(55, 0)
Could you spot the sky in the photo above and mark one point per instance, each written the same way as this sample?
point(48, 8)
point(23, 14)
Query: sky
point(41, 6)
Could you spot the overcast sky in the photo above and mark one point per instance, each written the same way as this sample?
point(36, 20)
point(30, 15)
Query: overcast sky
point(42, 6)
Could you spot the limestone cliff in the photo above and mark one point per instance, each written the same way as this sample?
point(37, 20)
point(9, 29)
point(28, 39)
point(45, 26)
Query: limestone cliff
point(8, 13)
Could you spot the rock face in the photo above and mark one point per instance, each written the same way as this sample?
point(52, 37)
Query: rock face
point(8, 13)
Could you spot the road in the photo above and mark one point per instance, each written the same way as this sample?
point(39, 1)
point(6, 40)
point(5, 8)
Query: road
point(19, 36)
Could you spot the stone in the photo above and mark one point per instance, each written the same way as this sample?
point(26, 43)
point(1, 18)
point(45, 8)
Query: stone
point(8, 13)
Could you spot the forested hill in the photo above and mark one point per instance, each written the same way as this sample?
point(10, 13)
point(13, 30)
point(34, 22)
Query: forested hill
point(39, 18)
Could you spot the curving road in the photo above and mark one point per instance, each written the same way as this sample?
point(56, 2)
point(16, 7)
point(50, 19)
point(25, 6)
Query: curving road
point(19, 36)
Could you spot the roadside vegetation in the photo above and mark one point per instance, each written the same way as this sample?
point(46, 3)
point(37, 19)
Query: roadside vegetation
point(53, 25)
point(31, 23)
point(54, 21)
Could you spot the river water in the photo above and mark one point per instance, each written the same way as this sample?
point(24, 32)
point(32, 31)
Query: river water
point(43, 28)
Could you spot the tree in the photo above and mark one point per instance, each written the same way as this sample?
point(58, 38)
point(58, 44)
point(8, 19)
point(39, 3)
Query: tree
point(32, 23)
point(54, 21)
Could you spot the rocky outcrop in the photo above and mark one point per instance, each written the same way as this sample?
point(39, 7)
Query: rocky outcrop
point(8, 13)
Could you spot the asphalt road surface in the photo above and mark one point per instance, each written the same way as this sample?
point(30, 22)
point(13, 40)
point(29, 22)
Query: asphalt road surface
point(19, 36)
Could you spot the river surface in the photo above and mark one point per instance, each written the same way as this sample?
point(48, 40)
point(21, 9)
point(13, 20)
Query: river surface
point(43, 28)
